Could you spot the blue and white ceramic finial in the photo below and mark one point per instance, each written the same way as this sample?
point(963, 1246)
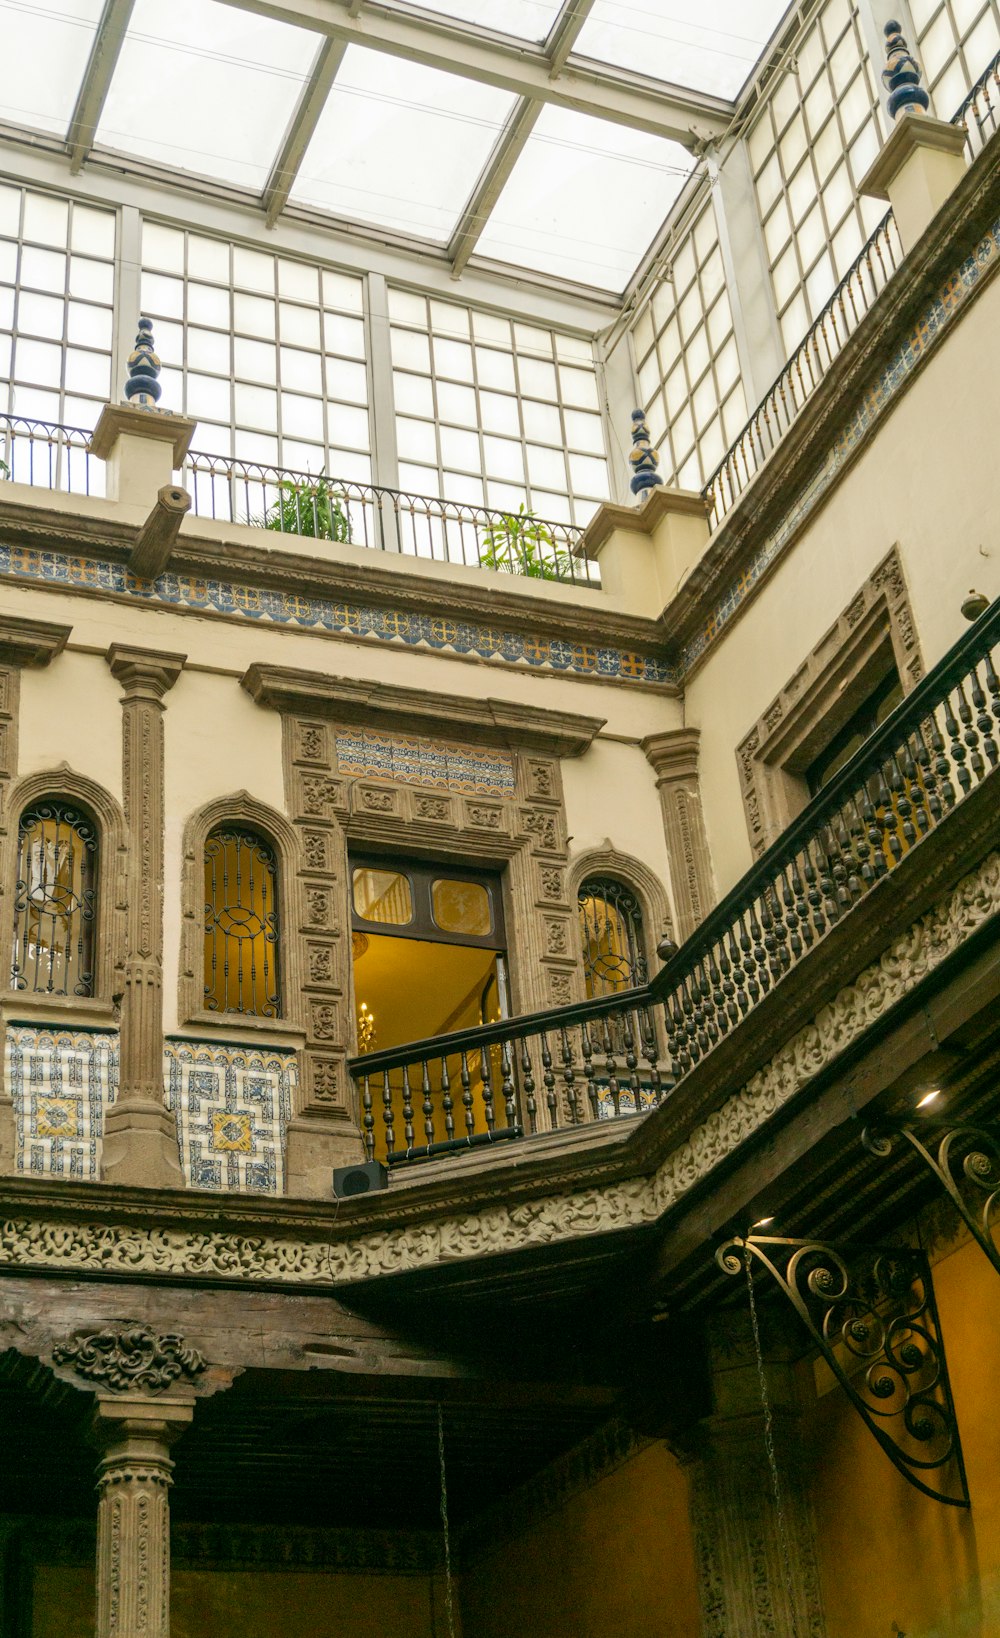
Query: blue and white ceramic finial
point(644, 459)
point(142, 389)
point(901, 75)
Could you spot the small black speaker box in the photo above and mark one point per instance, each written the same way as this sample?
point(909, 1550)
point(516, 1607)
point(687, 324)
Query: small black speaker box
point(349, 1181)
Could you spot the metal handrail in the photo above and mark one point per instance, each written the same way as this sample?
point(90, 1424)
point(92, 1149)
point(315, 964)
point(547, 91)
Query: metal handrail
point(605, 1056)
point(65, 461)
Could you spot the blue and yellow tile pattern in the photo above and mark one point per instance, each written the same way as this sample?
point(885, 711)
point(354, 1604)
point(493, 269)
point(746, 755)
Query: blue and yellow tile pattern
point(61, 1082)
point(468, 769)
point(232, 1106)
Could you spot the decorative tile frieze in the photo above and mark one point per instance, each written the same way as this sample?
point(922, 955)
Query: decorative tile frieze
point(232, 1106)
point(61, 1082)
point(472, 770)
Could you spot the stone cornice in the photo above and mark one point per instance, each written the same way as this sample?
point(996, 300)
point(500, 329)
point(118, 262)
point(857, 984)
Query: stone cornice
point(30, 643)
point(673, 755)
point(951, 237)
point(416, 710)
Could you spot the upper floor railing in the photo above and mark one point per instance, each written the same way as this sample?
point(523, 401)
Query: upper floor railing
point(854, 296)
point(624, 1053)
point(49, 456)
point(386, 520)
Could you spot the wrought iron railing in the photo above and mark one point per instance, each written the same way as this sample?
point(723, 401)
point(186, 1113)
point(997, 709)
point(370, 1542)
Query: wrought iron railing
point(622, 1054)
point(852, 299)
point(49, 456)
point(387, 520)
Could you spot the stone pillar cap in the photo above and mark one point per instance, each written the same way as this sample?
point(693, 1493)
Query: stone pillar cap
point(910, 133)
point(160, 425)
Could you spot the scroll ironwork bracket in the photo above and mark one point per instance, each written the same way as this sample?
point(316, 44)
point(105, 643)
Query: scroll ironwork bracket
point(871, 1312)
point(964, 1157)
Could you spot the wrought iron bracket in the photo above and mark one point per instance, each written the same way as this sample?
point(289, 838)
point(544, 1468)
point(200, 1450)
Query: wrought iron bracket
point(872, 1314)
point(965, 1159)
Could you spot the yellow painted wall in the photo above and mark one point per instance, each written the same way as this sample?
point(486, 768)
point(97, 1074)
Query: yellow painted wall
point(887, 1553)
point(616, 1562)
point(245, 1604)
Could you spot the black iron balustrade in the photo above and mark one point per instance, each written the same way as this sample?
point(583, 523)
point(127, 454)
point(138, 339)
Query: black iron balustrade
point(621, 1054)
point(49, 456)
point(387, 520)
point(856, 293)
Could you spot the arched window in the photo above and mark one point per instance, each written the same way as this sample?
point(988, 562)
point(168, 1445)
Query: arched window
point(612, 937)
point(55, 900)
point(241, 924)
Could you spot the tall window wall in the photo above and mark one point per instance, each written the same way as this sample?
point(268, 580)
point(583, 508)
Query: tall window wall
point(689, 369)
point(491, 410)
point(57, 282)
point(814, 139)
point(272, 351)
point(956, 40)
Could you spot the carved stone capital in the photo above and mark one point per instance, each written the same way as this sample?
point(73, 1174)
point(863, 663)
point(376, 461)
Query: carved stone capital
point(673, 758)
point(144, 673)
point(30, 643)
point(673, 755)
point(130, 1356)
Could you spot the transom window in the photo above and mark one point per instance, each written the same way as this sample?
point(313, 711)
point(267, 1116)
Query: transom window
point(241, 924)
point(612, 936)
point(55, 901)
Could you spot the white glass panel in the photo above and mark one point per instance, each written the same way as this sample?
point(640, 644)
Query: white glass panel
point(255, 360)
point(486, 327)
point(206, 305)
point(254, 315)
point(495, 369)
point(676, 391)
point(584, 432)
point(649, 377)
point(169, 338)
point(460, 449)
point(301, 417)
point(553, 508)
point(299, 326)
point(46, 220)
point(546, 466)
point(410, 351)
point(541, 421)
point(91, 281)
point(507, 497)
point(351, 464)
point(206, 350)
point(38, 361)
point(208, 259)
point(537, 378)
point(448, 319)
point(226, 87)
point(400, 144)
point(579, 387)
point(460, 486)
point(89, 326)
point(8, 261)
point(10, 211)
point(207, 398)
point(162, 248)
point(503, 458)
point(696, 356)
point(574, 348)
point(346, 381)
point(413, 394)
point(981, 46)
point(529, 339)
point(252, 270)
point(704, 402)
point(301, 372)
point(256, 407)
point(88, 373)
point(299, 282)
point(498, 413)
point(415, 440)
point(343, 292)
point(348, 426)
point(343, 335)
point(453, 358)
point(711, 47)
point(407, 308)
point(457, 404)
point(40, 315)
point(35, 404)
point(302, 457)
point(418, 480)
point(526, 19)
point(43, 269)
point(45, 50)
point(255, 446)
point(585, 199)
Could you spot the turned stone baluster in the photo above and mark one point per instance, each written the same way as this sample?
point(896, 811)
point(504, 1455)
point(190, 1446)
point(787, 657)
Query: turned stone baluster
point(957, 748)
point(549, 1080)
point(447, 1102)
point(969, 734)
point(983, 722)
point(369, 1117)
point(507, 1083)
point(528, 1076)
point(800, 902)
point(569, 1075)
point(427, 1106)
point(408, 1132)
point(486, 1070)
point(631, 1060)
point(612, 1069)
point(928, 781)
point(470, 1117)
point(587, 1050)
point(993, 684)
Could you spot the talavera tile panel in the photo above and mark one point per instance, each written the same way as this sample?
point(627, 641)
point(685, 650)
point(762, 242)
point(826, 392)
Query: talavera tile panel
point(61, 1082)
point(468, 769)
point(232, 1106)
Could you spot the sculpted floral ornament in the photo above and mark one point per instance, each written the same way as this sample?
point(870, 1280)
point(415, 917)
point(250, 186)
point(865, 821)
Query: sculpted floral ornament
point(130, 1356)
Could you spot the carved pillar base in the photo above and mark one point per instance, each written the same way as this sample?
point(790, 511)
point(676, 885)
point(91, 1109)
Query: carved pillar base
point(133, 1515)
point(140, 1146)
point(758, 1573)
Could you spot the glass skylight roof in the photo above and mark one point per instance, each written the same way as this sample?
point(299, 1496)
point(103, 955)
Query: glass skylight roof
point(400, 145)
point(206, 87)
point(585, 199)
point(45, 50)
point(713, 46)
point(525, 19)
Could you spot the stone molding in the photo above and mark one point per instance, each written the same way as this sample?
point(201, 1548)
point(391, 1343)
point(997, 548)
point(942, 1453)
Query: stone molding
point(327, 1261)
point(673, 758)
point(822, 693)
point(163, 426)
point(129, 1356)
point(242, 809)
point(30, 643)
point(645, 884)
point(416, 710)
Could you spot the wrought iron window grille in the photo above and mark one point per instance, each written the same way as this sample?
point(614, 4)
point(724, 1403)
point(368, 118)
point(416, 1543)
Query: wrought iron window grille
point(55, 901)
point(611, 933)
point(872, 1314)
point(965, 1159)
point(242, 967)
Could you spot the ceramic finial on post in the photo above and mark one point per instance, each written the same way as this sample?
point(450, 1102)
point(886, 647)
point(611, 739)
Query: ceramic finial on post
point(643, 458)
point(142, 389)
point(901, 75)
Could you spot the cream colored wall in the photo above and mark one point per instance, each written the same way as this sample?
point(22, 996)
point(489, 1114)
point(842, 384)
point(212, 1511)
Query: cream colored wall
point(611, 797)
point(70, 712)
point(928, 481)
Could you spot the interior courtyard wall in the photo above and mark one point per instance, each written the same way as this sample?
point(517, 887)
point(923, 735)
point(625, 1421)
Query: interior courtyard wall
point(256, 1604)
point(70, 712)
point(887, 1553)
point(617, 1558)
point(926, 483)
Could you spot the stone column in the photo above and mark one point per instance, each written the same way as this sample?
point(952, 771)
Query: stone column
point(134, 1434)
point(757, 1570)
point(140, 1143)
point(674, 759)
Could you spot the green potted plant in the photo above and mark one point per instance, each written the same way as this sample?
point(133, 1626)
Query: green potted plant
point(309, 506)
point(519, 543)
